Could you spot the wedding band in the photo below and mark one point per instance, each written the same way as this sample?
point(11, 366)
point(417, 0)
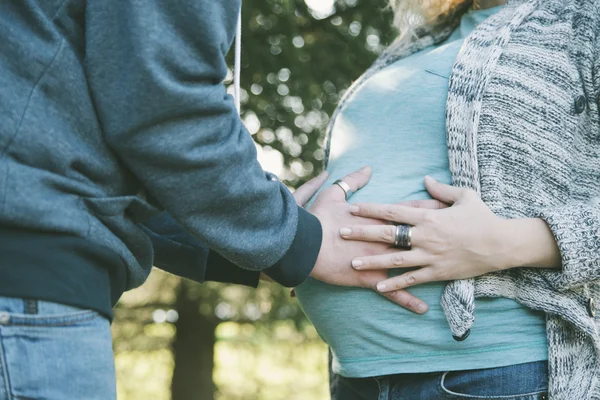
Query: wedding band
point(345, 187)
point(403, 237)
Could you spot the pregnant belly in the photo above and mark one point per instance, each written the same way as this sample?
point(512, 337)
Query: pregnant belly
point(359, 323)
point(370, 335)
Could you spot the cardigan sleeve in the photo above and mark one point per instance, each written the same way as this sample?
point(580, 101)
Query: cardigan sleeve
point(576, 228)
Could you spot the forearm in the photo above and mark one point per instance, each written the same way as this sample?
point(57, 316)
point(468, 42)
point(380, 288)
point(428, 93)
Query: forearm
point(165, 113)
point(178, 252)
point(529, 242)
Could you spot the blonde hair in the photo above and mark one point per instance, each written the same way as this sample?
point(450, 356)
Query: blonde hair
point(414, 16)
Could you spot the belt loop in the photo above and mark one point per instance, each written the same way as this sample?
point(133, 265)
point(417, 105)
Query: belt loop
point(31, 306)
point(383, 384)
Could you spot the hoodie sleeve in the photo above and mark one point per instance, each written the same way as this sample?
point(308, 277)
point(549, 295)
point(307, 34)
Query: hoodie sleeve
point(178, 252)
point(155, 71)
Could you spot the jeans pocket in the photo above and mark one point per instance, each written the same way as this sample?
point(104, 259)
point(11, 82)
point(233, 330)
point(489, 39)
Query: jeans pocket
point(49, 314)
point(527, 381)
point(61, 352)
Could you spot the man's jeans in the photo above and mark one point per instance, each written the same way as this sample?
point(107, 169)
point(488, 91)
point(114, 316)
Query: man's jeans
point(54, 352)
point(518, 382)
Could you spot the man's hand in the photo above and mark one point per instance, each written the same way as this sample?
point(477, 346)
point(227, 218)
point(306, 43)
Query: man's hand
point(305, 192)
point(334, 261)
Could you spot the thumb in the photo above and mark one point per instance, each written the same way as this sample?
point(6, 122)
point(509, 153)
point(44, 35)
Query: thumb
point(442, 192)
point(304, 193)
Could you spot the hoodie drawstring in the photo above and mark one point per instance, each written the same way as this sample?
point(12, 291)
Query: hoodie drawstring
point(237, 63)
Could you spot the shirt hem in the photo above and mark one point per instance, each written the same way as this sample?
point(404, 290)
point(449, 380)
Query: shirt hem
point(439, 361)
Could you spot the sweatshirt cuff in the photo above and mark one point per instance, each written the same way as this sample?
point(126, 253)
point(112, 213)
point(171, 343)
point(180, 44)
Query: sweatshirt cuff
point(219, 269)
point(178, 258)
point(298, 262)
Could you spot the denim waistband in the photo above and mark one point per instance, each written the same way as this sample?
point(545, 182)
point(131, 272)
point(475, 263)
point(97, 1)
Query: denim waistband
point(528, 381)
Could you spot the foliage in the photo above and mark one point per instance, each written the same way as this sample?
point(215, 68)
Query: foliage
point(277, 355)
point(296, 67)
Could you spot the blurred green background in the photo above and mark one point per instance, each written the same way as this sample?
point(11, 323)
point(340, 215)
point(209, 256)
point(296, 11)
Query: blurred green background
point(175, 339)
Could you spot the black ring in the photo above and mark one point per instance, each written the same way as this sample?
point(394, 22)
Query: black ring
point(403, 237)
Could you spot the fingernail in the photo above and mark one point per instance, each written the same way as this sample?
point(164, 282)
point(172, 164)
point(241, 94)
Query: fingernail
point(363, 169)
point(422, 308)
point(429, 178)
point(354, 209)
point(345, 231)
point(357, 263)
point(381, 287)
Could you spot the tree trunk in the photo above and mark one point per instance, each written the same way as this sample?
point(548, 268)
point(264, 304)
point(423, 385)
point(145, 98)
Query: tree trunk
point(193, 351)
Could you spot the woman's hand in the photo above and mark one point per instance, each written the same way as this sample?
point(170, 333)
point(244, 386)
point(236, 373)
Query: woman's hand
point(462, 241)
point(370, 278)
point(333, 263)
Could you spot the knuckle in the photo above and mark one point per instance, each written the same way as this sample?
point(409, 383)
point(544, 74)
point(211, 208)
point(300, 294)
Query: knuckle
point(390, 213)
point(397, 259)
point(416, 204)
point(393, 295)
point(371, 262)
point(388, 233)
point(439, 205)
point(409, 279)
point(411, 303)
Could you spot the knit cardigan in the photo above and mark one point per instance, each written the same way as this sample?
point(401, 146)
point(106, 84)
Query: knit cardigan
point(523, 131)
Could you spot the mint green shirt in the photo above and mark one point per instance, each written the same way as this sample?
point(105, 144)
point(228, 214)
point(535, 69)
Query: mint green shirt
point(395, 122)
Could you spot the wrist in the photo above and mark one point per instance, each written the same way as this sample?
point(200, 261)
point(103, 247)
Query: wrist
point(321, 255)
point(511, 244)
point(528, 242)
point(299, 260)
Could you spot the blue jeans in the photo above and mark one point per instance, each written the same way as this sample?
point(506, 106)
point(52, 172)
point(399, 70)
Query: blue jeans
point(51, 351)
point(517, 382)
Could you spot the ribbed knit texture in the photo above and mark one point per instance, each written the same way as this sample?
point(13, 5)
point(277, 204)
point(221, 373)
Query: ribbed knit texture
point(517, 137)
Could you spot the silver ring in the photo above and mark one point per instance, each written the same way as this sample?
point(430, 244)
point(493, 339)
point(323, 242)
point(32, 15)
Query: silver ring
point(403, 238)
point(345, 187)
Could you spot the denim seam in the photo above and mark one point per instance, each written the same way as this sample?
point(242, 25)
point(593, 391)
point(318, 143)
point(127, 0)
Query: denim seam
point(67, 320)
point(447, 353)
point(474, 397)
point(379, 389)
point(4, 366)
